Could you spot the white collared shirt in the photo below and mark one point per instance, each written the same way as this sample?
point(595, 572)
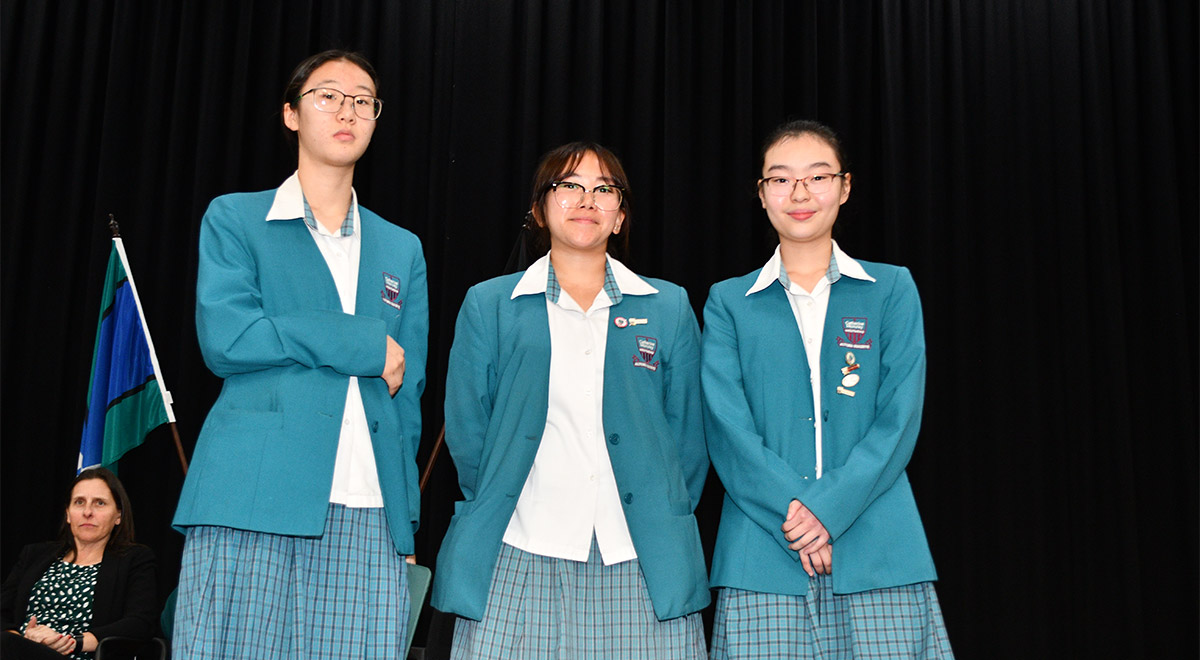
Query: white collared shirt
point(571, 491)
point(355, 479)
point(809, 308)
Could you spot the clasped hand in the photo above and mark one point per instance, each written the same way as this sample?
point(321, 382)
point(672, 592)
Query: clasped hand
point(58, 642)
point(393, 367)
point(809, 538)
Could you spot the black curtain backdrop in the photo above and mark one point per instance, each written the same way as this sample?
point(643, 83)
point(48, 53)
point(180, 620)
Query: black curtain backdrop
point(1034, 163)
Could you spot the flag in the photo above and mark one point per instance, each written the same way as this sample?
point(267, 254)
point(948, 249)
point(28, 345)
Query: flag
point(126, 394)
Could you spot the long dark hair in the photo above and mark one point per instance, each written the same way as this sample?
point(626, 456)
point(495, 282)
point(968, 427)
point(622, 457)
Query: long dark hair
point(122, 534)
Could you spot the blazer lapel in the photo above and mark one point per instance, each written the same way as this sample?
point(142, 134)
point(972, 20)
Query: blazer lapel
point(294, 242)
point(774, 322)
point(370, 272)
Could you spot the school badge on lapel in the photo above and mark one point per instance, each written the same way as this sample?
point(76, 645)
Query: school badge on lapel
point(647, 347)
point(855, 329)
point(391, 291)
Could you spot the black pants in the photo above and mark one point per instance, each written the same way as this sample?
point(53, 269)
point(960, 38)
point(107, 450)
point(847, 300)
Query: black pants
point(15, 647)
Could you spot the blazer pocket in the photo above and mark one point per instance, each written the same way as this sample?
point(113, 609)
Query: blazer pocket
point(680, 508)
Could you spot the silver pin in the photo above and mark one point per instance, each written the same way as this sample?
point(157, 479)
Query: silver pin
point(850, 380)
point(850, 357)
point(842, 390)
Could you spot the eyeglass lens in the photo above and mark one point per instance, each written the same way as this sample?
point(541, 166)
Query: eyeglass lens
point(815, 183)
point(330, 100)
point(570, 195)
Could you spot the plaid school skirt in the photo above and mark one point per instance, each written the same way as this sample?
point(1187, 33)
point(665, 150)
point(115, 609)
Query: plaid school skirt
point(545, 608)
point(254, 596)
point(898, 622)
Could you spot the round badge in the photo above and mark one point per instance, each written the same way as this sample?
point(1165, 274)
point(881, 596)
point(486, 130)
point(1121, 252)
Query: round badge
point(620, 322)
point(850, 380)
point(849, 357)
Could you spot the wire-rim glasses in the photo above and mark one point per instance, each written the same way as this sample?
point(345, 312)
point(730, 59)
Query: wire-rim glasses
point(327, 99)
point(569, 195)
point(818, 183)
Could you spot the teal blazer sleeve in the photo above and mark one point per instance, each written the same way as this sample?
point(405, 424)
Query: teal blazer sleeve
point(755, 476)
point(470, 393)
point(684, 409)
point(238, 333)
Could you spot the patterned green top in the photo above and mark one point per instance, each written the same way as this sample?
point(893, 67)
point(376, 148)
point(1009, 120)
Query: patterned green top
point(62, 599)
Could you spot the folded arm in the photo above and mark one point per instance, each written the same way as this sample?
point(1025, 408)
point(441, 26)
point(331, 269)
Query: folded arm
point(237, 335)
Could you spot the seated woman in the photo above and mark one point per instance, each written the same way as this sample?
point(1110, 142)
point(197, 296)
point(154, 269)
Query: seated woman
point(64, 596)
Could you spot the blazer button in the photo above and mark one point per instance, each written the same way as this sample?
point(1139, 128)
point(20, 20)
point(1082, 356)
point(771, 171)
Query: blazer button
point(375, 427)
point(628, 498)
point(614, 438)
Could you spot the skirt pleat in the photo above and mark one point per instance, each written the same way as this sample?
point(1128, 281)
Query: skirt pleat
point(897, 622)
point(252, 595)
point(545, 608)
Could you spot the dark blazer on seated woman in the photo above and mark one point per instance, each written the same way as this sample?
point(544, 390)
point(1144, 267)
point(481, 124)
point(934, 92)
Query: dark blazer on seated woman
point(125, 603)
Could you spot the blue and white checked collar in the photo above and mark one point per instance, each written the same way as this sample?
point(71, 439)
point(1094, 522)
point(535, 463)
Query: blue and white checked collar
point(840, 264)
point(290, 204)
point(347, 228)
point(539, 278)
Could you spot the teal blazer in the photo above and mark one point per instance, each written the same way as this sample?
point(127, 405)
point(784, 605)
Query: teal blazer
point(759, 424)
point(270, 323)
point(497, 392)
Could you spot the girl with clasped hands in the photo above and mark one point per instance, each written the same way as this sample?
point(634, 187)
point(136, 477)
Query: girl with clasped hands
point(813, 377)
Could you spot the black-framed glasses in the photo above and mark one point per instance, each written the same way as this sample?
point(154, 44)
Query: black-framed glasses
point(569, 195)
point(327, 99)
point(818, 183)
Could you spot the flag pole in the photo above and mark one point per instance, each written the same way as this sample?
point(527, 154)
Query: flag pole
point(116, 233)
point(433, 456)
point(179, 448)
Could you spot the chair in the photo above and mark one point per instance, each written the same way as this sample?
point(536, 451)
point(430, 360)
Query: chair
point(419, 578)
